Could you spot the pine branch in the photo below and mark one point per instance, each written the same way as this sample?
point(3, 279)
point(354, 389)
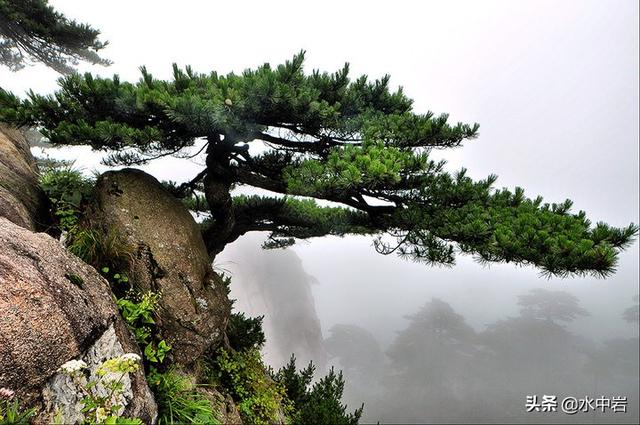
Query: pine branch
point(34, 30)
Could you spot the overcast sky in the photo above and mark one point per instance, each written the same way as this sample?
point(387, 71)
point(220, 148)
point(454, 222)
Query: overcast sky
point(553, 84)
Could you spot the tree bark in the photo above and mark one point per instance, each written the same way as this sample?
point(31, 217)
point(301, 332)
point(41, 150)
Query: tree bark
point(217, 191)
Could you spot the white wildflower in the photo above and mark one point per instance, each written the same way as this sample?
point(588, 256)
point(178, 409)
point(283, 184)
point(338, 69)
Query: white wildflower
point(72, 366)
point(131, 356)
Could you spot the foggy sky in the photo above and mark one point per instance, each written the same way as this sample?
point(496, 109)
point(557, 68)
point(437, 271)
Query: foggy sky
point(553, 84)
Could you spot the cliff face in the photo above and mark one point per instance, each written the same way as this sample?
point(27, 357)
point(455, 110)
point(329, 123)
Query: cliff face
point(273, 283)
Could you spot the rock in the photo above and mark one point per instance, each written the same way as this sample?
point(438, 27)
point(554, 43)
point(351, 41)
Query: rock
point(61, 393)
point(56, 308)
point(169, 257)
point(21, 199)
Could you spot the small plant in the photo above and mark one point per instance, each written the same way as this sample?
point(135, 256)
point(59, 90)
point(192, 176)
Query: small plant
point(96, 247)
point(103, 396)
point(11, 412)
point(260, 399)
point(68, 190)
point(120, 279)
point(137, 310)
point(226, 282)
point(245, 333)
point(178, 399)
point(155, 353)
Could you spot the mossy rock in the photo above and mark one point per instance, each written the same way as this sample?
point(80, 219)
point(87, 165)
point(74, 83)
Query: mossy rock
point(167, 255)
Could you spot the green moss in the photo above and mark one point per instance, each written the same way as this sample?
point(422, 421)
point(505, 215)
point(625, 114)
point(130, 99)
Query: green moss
point(75, 279)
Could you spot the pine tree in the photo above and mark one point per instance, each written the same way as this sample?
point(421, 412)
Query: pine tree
point(555, 306)
point(356, 143)
point(32, 31)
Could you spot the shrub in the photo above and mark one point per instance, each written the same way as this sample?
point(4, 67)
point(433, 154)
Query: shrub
point(245, 333)
point(138, 310)
point(68, 190)
point(260, 399)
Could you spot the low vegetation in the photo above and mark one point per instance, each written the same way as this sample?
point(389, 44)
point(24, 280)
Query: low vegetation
point(11, 412)
point(68, 191)
point(178, 400)
point(260, 399)
point(104, 394)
